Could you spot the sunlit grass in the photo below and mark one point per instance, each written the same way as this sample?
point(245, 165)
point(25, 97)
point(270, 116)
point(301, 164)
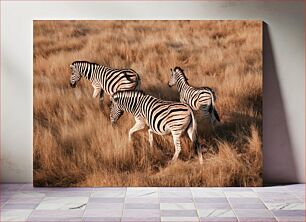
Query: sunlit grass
point(74, 142)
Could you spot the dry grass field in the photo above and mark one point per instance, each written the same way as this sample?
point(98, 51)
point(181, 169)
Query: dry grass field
point(74, 142)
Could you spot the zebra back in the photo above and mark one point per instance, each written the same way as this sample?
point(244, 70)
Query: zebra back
point(109, 79)
point(160, 115)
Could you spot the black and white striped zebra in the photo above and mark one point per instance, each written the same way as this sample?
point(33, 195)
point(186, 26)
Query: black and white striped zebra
point(202, 98)
point(162, 117)
point(104, 79)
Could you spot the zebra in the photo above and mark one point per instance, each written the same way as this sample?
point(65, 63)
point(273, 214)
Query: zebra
point(162, 117)
point(104, 79)
point(202, 98)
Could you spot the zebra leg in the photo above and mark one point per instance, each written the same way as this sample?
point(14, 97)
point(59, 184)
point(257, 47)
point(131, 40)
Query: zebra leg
point(195, 142)
point(101, 96)
point(204, 110)
point(177, 144)
point(207, 113)
point(150, 137)
point(96, 92)
point(138, 126)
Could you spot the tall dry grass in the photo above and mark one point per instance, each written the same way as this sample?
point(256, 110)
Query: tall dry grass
point(74, 142)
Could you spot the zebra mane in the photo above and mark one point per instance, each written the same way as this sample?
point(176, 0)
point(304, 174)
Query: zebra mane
point(181, 71)
point(139, 91)
point(92, 63)
point(128, 93)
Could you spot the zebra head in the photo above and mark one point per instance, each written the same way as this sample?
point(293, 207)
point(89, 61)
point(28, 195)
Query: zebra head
point(176, 74)
point(75, 75)
point(115, 110)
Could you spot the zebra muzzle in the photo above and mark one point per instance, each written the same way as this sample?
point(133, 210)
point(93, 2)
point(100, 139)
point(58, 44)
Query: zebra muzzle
point(73, 85)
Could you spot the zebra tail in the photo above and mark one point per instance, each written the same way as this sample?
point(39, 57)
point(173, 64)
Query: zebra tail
point(194, 135)
point(138, 80)
point(213, 107)
point(216, 114)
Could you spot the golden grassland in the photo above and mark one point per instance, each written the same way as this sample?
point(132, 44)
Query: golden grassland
point(74, 142)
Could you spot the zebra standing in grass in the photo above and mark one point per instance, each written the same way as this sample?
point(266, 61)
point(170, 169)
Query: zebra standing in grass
point(202, 98)
point(104, 78)
point(162, 117)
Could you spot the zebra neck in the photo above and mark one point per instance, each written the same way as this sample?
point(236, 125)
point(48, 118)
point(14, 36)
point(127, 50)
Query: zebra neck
point(88, 71)
point(182, 84)
point(133, 106)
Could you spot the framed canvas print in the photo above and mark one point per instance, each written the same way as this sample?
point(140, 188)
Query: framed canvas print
point(147, 103)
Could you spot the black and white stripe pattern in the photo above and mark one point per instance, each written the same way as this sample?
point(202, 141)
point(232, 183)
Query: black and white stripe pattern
point(104, 78)
point(162, 117)
point(197, 98)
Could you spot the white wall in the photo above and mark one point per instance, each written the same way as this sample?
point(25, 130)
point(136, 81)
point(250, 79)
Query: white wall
point(284, 84)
